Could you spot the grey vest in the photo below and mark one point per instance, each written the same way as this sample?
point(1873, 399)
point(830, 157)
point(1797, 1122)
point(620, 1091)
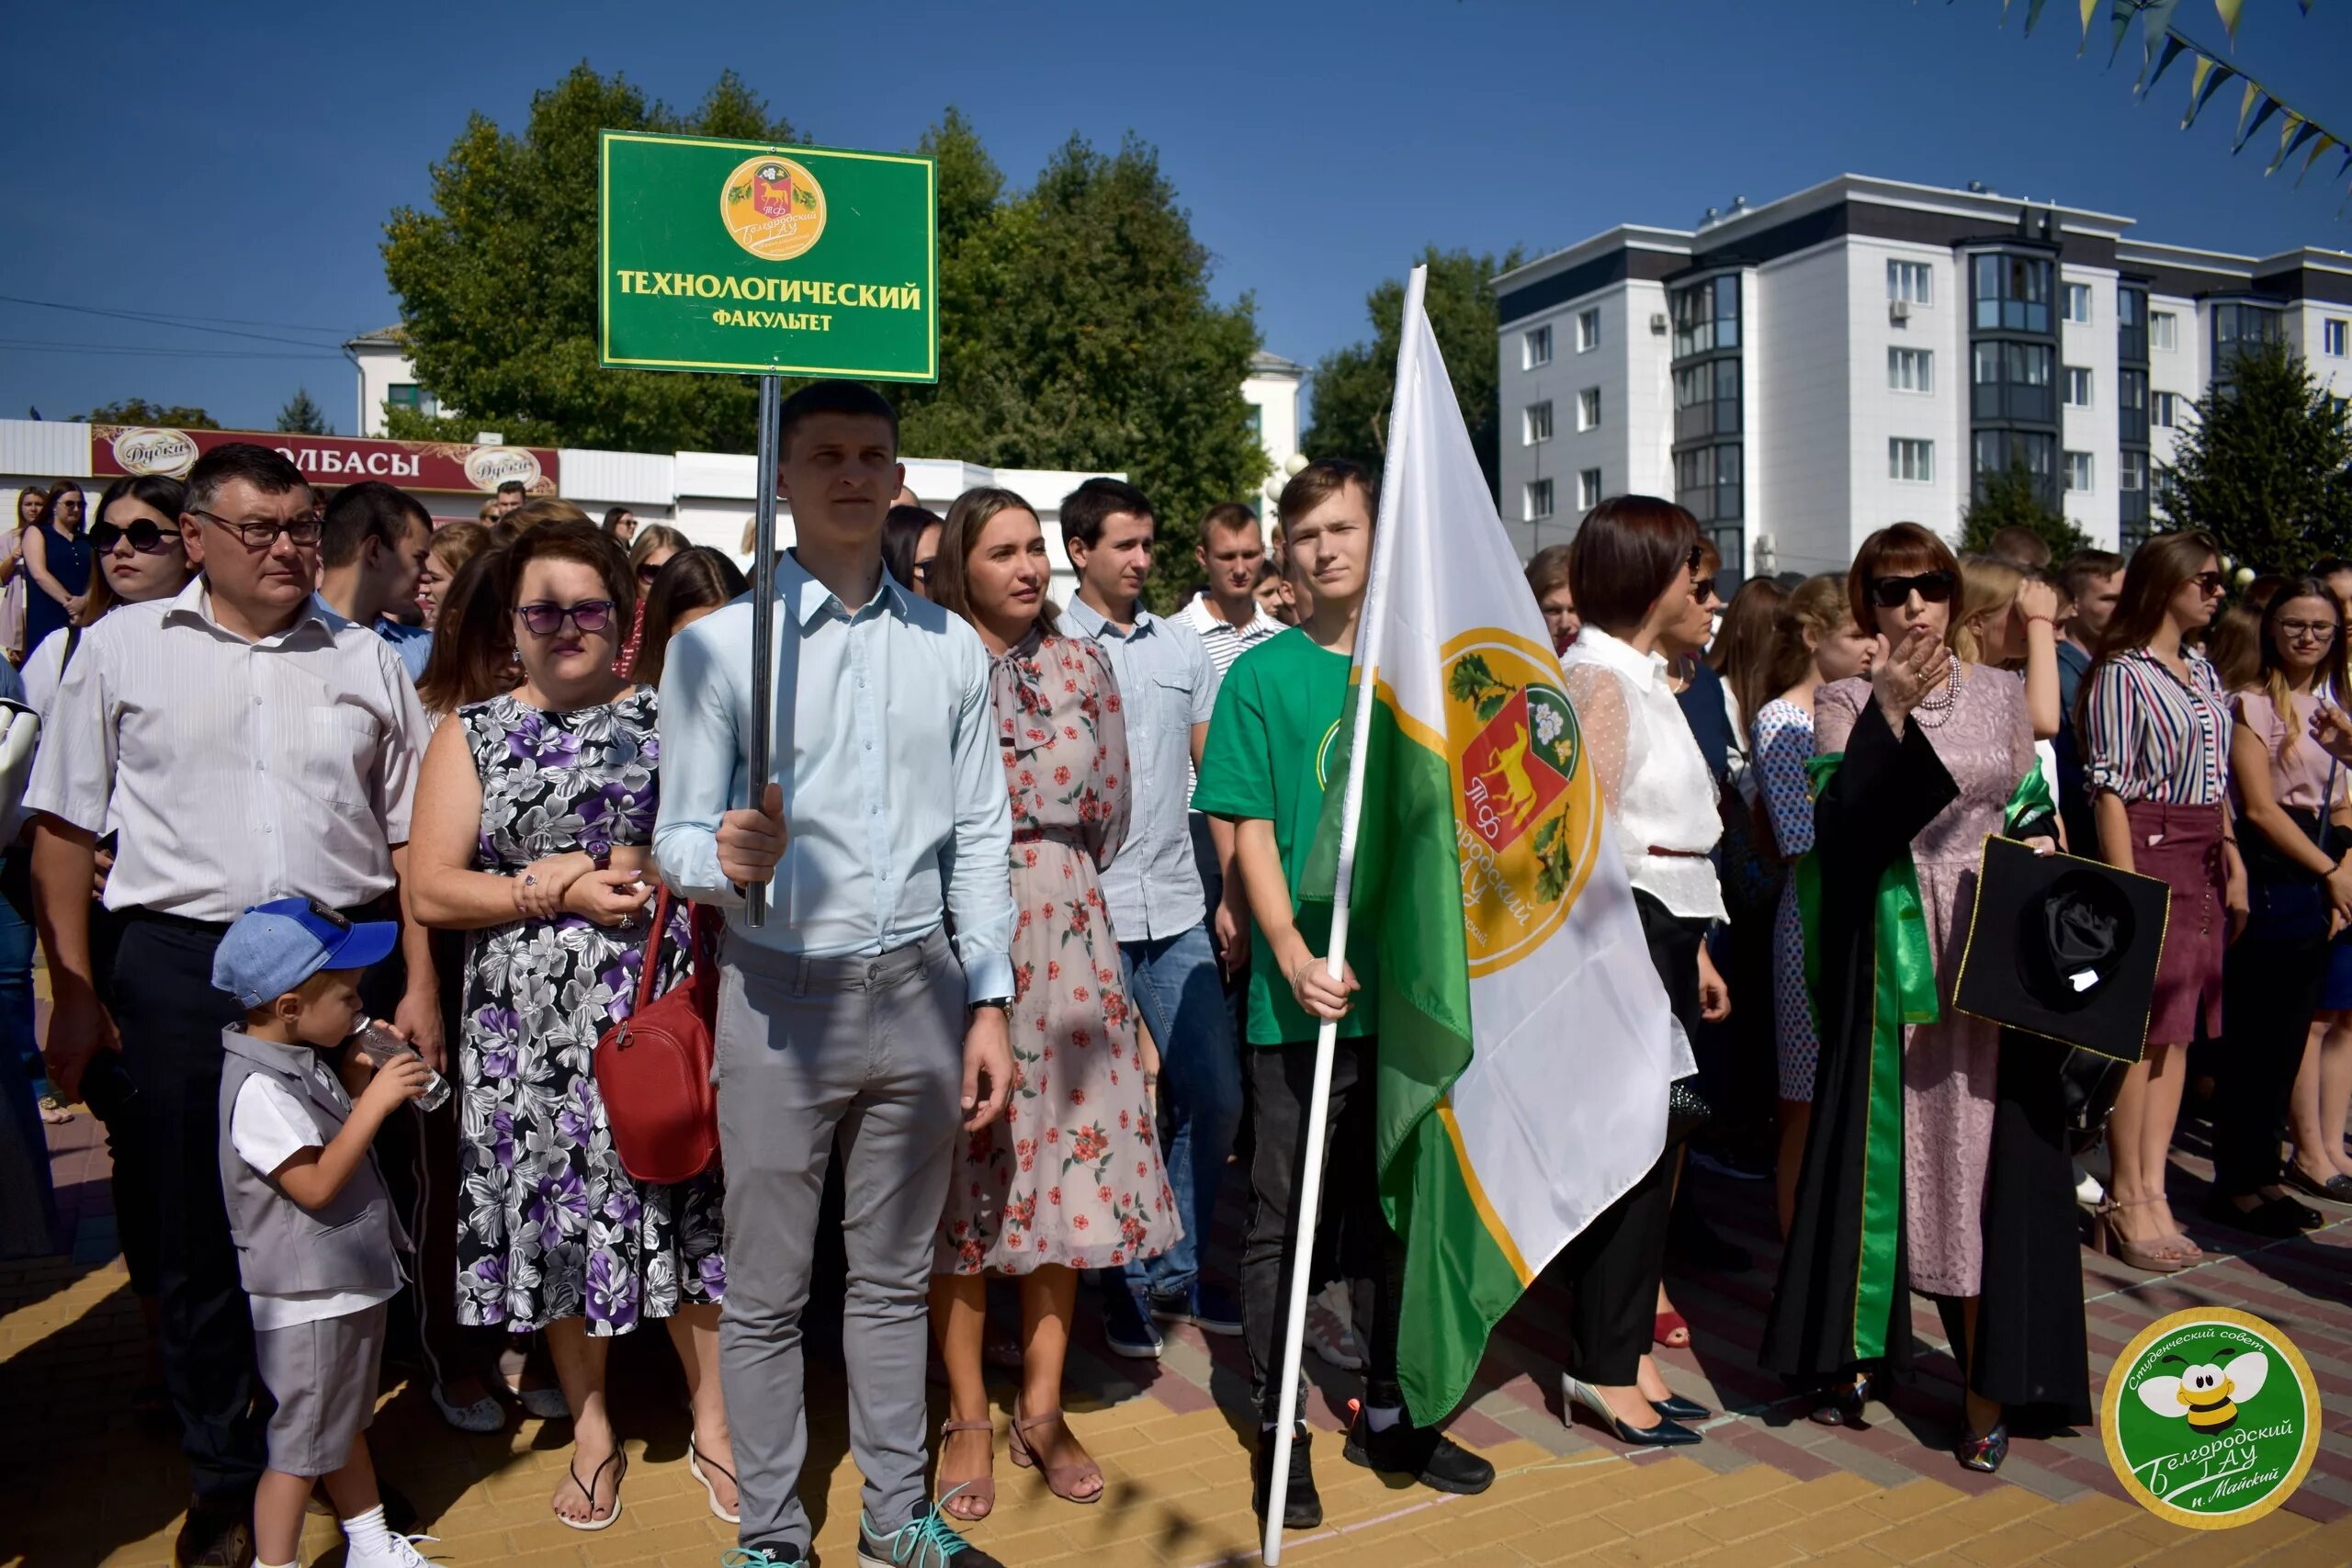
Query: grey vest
point(284, 1249)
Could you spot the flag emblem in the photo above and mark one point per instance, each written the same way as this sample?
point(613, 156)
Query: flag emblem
point(773, 206)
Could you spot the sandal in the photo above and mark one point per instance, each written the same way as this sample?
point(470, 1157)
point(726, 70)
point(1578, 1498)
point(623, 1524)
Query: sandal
point(979, 1492)
point(1665, 1325)
point(1062, 1480)
point(588, 1490)
point(53, 1113)
point(696, 1459)
point(2160, 1257)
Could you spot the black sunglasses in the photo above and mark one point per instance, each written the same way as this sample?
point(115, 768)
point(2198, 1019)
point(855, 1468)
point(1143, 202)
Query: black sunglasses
point(2210, 581)
point(146, 536)
point(545, 619)
point(1933, 587)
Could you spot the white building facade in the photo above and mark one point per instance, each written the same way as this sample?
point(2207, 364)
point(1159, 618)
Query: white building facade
point(1802, 373)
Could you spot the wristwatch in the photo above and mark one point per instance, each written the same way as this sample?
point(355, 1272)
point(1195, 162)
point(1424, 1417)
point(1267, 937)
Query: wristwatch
point(1002, 1004)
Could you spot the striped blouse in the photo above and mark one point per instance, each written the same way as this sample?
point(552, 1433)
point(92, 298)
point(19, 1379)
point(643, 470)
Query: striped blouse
point(2147, 736)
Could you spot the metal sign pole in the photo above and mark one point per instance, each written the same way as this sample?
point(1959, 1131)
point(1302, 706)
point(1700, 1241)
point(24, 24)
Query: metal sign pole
point(763, 626)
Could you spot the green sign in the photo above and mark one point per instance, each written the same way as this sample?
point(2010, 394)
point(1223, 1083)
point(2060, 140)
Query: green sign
point(2212, 1417)
point(746, 258)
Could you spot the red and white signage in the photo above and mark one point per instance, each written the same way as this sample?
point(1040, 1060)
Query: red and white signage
point(331, 460)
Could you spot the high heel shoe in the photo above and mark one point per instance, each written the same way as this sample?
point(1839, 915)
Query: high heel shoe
point(1668, 1433)
point(1842, 1406)
point(977, 1492)
point(1674, 1408)
point(2108, 1240)
point(1984, 1454)
point(1063, 1480)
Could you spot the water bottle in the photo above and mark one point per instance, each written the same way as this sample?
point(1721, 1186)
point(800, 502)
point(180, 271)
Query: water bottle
point(380, 1045)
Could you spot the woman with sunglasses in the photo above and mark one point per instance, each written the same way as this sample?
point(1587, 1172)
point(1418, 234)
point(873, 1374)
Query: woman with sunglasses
point(648, 554)
point(57, 561)
point(532, 817)
point(2294, 833)
point(1932, 1163)
point(2155, 733)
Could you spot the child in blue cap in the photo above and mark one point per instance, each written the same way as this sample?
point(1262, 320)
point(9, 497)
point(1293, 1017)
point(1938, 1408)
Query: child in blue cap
point(313, 1225)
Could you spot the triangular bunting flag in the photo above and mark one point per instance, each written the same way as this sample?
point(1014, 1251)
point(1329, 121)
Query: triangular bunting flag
point(2246, 130)
point(2229, 11)
point(2209, 75)
point(2319, 147)
point(2172, 50)
point(2293, 133)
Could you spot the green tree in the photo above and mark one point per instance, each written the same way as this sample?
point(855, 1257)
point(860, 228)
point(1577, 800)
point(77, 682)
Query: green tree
point(497, 280)
point(2265, 464)
point(139, 411)
point(1353, 385)
point(1077, 332)
point(2013, 497)
point(303, 416)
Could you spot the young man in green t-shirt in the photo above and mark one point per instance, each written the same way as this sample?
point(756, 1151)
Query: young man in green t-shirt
point(1271, 752)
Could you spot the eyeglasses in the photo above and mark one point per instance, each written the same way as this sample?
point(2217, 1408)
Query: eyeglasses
point(546, 619)
point(146, 536)
point(302, 532)
point(1933, 588)
point(2209, 583)
point(648, 570)
point(2308, 631)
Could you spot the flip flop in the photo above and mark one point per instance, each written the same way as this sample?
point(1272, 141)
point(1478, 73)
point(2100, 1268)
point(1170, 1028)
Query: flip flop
point(588, 1490)
point(696, 1459)
point(1061, 1480)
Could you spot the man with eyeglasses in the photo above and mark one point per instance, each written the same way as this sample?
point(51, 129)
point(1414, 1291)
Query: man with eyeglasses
point(245, 742)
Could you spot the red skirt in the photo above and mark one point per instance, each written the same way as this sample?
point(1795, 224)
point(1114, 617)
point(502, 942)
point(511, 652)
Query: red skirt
point(2182, 844)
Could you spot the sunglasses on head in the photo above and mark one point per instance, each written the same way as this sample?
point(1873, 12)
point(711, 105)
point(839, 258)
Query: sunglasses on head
point(1933, 588)
point(146, 536)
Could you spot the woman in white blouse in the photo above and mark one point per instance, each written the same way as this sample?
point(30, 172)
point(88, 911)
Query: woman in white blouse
point(1632, 569)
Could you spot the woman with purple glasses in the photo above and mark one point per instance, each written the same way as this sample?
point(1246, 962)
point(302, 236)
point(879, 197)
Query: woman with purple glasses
point(532, 817)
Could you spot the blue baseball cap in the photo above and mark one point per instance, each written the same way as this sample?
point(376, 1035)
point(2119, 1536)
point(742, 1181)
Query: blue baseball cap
point(274, 947)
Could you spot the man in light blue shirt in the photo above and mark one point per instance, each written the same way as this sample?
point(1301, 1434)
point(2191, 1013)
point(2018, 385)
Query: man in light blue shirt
point(1167, 689)
point(846, 1012)
point(371, 554)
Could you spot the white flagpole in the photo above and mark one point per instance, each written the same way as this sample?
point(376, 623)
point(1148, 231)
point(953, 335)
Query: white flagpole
point(1318, 1105)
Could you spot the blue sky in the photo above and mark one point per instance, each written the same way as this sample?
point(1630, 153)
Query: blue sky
point(237, 162)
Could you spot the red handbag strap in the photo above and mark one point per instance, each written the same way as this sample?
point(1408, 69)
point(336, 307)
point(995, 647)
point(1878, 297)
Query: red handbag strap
point(653, 949)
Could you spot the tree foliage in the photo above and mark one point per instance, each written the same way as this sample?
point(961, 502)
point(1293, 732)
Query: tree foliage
point(139, 411)
point(2264, 463)
point(1353, 385)
point(2013, 497)
point(303, 416)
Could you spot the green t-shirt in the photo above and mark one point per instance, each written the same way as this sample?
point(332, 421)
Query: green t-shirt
point(1272, 749)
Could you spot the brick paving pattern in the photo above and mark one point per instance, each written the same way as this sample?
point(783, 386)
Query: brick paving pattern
point(88, 1486)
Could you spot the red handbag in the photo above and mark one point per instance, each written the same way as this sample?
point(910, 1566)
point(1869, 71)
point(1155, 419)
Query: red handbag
point(653, 1068)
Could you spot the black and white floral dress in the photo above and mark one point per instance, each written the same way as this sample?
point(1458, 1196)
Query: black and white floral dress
point(549, 1225)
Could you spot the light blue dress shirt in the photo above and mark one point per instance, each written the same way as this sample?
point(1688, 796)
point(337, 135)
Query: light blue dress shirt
point(896, 811)
point(1167, 684)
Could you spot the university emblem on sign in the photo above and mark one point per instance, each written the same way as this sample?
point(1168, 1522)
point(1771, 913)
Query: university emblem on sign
point(2212, 1417)
point(1527, 812)
point(773, 206)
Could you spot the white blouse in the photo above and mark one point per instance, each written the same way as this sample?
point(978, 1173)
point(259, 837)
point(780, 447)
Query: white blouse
point(1661, 795)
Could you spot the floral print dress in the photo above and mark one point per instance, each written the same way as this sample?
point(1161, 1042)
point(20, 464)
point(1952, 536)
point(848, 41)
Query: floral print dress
point(1072, 1174)
point(549, 1225)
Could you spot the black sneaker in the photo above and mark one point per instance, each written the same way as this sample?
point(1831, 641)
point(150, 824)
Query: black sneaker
point(1302, 1504)
point(1206, 1307)
point(1127, 1327)
point(1426, 1454)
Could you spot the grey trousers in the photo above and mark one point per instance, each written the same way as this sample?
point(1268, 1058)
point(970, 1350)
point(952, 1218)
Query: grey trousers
point(872, 1048)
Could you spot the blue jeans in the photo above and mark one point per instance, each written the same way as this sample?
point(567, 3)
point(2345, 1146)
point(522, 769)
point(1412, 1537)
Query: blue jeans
point(1174, 981)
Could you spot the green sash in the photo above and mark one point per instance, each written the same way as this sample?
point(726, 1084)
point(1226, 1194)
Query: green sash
point(1903, 991)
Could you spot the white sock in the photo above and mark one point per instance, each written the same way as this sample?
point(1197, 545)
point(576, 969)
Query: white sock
point(259, 1563)
point(1380, 1417)
point(367, 1534)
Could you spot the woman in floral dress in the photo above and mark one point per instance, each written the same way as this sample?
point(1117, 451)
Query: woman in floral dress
point(1071, 1179)
point(531, 822)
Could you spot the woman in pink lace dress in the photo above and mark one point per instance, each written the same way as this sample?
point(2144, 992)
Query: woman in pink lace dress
point(1071, 1179)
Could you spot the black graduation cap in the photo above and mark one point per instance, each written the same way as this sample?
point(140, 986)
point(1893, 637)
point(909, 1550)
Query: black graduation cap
point(2064, 948)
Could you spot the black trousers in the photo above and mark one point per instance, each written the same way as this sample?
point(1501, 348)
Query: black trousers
point(1371, 1259)
point(2270, 988)
point(170, 1019)
point(1613, 1267)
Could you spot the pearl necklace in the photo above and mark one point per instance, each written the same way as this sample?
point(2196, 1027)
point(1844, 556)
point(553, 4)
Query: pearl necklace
point(1934, 710)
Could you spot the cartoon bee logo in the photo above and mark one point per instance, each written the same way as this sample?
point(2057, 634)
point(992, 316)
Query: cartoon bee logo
point(2206, 1394)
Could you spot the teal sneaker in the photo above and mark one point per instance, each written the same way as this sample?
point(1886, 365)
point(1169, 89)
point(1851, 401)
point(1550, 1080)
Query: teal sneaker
point(927, 1541)
point(760, 1557)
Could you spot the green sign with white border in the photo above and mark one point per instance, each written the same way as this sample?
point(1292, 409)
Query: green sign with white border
point(747, 258)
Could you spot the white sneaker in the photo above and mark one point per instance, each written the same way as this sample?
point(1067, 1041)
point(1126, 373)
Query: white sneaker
point(2087, 1192)
point(399, 1551)
point(1328, 1332)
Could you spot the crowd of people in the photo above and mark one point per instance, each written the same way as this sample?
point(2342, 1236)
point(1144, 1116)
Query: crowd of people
point(1034, 985)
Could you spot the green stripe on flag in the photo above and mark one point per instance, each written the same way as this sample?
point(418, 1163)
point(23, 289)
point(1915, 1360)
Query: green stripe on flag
point(1461, 1276)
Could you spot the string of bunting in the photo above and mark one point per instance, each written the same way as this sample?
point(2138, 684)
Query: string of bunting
point(2162, 44)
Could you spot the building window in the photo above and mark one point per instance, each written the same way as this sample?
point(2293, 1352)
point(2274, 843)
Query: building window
point(1588, 490)
point(1706, 482)
point(2331, 337)
point(1587, 330)
point(1999, 450)
point(2163, 484)
point(1913, 462)
point(1539, 500)
point(1706, 315)
point(1534, 347)
point(2128, 305)
point(2130, 390)
point(2078, 386)
point(2079, 302)
point(2013, 381)
point(1911, 282)
point(1588, 409)
point(2130, 470)
point(1537, 423)
point(2078, 470)
point(2012, 293)
point(1706, 399)
point(2163, 410)
point(1910, 371)
point(2164, 330)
